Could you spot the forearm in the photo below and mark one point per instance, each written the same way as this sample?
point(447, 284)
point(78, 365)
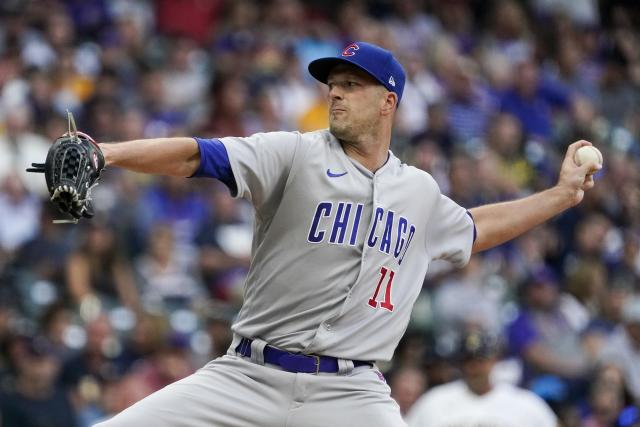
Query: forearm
point(125, 285)
point(163, 156)
point(501, 222)
point(545, 361)
point(78, 278)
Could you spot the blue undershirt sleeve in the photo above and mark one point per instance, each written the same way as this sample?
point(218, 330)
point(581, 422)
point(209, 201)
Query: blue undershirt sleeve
point(214, 163)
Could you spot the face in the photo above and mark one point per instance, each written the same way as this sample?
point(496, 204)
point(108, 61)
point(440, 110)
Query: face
point(633, 329)
point(542, 296)
point(407, 386)
point(477, 367)
point(357, 103)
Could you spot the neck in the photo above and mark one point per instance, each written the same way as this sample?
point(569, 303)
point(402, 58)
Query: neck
point(33, 389)
point(479, 386)
point(371, 151)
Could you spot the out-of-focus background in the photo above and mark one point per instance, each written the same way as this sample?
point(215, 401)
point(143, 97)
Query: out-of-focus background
point(97, 315)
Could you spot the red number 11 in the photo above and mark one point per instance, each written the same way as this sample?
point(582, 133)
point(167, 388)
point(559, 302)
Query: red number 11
point(386, 304)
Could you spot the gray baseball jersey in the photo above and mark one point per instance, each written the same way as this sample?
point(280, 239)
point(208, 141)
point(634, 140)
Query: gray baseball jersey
point(339, 252)
point(339, 255)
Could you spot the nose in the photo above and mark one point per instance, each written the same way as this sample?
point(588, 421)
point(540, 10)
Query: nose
point(334, 92)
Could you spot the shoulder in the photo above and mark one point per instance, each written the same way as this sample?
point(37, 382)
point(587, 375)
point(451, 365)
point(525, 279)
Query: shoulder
point(261, 137)
point(414, 171)
point(435, 403)
point(523, 398)
point(419, 176)
point(452, 388)
point(617, 347)
point(320, 136)
point(522, 319)
point(442, 394)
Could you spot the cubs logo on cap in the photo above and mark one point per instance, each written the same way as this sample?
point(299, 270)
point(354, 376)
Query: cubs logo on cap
point(376, 61)
point(350, 50)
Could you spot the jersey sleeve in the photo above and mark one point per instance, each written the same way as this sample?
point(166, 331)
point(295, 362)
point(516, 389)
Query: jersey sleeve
point(261, 163)
point(214, 162)
point(450, 232)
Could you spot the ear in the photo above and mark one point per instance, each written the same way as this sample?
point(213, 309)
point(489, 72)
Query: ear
point(389, 104)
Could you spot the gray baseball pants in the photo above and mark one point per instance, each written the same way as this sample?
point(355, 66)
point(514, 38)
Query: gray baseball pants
point(233, 391)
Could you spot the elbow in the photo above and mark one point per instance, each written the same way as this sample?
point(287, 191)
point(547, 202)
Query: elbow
point(188, 167)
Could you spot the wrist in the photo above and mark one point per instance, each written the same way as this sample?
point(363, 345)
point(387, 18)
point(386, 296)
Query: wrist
point(566, 197)
point(107, 153)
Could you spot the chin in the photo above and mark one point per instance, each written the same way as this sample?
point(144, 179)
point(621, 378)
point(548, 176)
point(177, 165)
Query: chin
point(338, 131)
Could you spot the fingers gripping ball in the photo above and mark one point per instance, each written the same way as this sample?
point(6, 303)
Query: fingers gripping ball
point(588, 154)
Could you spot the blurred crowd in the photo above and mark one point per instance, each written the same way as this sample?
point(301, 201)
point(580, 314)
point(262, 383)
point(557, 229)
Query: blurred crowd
point(97, 315)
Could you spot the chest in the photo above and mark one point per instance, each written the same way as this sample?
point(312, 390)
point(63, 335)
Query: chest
point(337, 203)
point(473, 413)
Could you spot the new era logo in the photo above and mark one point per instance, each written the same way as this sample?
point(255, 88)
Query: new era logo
point(392, 82)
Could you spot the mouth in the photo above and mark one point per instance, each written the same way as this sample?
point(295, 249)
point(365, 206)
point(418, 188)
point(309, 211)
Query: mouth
point(335, 110)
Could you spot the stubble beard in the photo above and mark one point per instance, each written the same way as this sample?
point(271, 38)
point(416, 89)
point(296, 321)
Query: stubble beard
point(349, 132)
point(340, 129)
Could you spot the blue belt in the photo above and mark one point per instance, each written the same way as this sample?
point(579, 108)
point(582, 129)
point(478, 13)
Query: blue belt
point(296, 362)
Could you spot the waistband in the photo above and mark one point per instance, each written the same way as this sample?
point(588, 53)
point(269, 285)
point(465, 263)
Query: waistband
point(296, 362)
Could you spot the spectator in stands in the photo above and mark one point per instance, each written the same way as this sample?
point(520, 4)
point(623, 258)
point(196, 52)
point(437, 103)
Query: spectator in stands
point(54, 324)
point(604, 324)
point(423, 90)
point(617, 97)
point(606, 399)
point(95, 362)
point(36, 400)
point(545, 339)
point(230, 99)
point(98, 269)
point(166, 273)
point(218, 328)
point(407, 385)
point(475, 400)
point(225, 247)
point(19, 146)
point(20, 213)
point(622, 350)
point(510, 34)
point(173, 201)
point(169, 364)
point(44, 255)
point(533, 101)
point(470, 105)
point(561, 70)
point(504, 136)
point(147, 338)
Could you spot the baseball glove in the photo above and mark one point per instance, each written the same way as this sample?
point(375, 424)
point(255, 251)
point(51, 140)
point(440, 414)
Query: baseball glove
point(72, 168)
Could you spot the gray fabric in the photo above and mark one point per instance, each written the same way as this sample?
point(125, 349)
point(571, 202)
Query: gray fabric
point(318, 284)
point(233, 392)
point(311, 283)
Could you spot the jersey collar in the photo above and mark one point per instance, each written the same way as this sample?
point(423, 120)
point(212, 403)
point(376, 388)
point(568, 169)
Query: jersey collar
point(391, 159)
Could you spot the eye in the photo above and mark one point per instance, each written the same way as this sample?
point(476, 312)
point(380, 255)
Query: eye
point(351, 83)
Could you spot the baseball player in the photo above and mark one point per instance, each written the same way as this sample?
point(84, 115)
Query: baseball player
point(343, 236)
point(477, 400)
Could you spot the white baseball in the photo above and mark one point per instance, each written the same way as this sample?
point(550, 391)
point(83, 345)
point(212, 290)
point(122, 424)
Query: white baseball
point(588, 154)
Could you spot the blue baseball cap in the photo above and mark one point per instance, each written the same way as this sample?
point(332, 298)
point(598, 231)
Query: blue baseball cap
point(378, 62)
